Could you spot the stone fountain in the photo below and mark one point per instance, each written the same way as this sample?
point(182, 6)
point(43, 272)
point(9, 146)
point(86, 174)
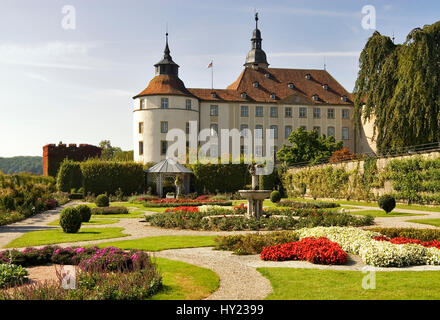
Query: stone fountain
point(254, 197)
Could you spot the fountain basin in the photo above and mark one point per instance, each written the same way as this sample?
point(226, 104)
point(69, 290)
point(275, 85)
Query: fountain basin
point(255, 200)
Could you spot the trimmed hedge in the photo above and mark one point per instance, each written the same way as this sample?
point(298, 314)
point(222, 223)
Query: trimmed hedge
point(102, 200)
point(69, 176)
point(70, 220)
point(219, 178)
point(411, 233)
point(110, 210)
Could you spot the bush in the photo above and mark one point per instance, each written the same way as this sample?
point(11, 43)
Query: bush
point(70, 220)
point(12, 275)
point(387, 203)
point(110, 210)
point(85, 212)
point(275, 196)
point(102, 200)
point(69, 176)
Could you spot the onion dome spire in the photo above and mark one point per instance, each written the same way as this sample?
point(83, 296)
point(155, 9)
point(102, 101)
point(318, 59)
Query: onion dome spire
point(256, 56)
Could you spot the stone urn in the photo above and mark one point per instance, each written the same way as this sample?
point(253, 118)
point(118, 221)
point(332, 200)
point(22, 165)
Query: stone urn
point(255, 200)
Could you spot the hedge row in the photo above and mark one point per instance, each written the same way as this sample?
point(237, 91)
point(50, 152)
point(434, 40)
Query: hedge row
point(98, 177)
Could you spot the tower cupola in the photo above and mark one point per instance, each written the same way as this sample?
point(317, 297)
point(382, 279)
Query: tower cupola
point(256, 56)
point(167, 65)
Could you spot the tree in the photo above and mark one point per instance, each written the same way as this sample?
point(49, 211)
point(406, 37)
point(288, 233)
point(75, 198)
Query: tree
point(108, 151)
point(342, 155)
point(308, 146)
point(399, 87)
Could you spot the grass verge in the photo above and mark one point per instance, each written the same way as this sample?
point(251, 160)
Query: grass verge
point(183, 281)
point(312, 284)
point(54, 236)
point(162, 243)
point(92, 222)
point(431, 222)
point(383, 214)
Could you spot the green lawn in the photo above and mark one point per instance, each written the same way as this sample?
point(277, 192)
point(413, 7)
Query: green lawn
point(162, 243)
point(374, 204)
point(431, 222)
point(313, 284)
point(92, 222)
point(381, 213)
point(53, 236)
point(183, 281)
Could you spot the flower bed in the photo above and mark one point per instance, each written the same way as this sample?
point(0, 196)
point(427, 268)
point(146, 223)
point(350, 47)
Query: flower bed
point(186, 202)
point(373, 252)
point(185, 209)
point(317, 251)
point(109, 210)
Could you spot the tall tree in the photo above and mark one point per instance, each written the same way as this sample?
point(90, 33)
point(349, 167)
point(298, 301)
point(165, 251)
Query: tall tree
point(308, 146)
point(399, 87)
point(108, 151)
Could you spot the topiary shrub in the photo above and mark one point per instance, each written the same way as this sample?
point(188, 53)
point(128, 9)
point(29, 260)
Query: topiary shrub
point(85, 212)
point(102, 200)
point(275, 196)
point(387, 203)
point(70, 220)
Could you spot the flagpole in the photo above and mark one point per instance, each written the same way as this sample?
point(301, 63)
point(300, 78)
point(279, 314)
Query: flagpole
point(212, 76)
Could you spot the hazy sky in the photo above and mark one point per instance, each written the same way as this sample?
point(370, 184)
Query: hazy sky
point(76, 86)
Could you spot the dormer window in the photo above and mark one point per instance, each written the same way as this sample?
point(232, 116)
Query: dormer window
point(273, 96)
point(256, 84)
point(267, 75)
point(325, 86)
point(291, 86)
point(243, 95)
point(308, 76)
point(344, 98)
point(213, 94)
point(315, 97)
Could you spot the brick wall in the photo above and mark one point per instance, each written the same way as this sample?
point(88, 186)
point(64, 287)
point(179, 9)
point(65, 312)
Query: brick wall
point(53, 155)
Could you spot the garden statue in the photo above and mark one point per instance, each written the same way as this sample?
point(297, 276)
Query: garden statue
point(178, 182)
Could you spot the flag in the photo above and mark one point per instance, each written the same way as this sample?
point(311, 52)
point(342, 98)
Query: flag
point(210, 65)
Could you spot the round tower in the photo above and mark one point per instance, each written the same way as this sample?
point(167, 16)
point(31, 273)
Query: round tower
point(164, 105)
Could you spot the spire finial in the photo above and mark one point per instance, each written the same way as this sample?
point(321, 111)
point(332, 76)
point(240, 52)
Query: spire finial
point(256, 20)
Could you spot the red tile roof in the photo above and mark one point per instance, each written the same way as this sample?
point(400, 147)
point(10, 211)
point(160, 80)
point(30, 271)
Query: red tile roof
point(165, 84)
point(277, 83)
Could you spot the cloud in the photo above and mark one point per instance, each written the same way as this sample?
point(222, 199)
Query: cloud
point(36, 77)
point(64, 55)
point(317, 54)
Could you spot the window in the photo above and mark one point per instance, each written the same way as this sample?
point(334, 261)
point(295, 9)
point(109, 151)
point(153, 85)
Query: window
point(259, 112)
point(256, 84)
point(291, 86)
point(163, 147)
point(287, 131)
point(304, 127)
point(331, 131)
point(344, 98)
point(303, 112)
point(141, 127)
point(316, 113)
point(244, 111)
point(288, 112)
point(258, 151)
point(274, 132)
point(308, 76)
point(187, 128)
point(273, 112)
point(243, 130)
point(243, 95)
point(318, 130)
point(273, 96)
point(345, 114)
point(345, 133)
point(164, 103)
point(141, 148)
point(244, 149)
point(164, 126)
point(188, 104)
point(214, 129)
point(330, 113)
point(259, 131)
point(143, 103)
point(214, 111)
point(315, 97)
point(267, 75)
point(325, 86)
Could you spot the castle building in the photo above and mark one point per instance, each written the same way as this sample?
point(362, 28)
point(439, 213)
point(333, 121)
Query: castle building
point(261, 98)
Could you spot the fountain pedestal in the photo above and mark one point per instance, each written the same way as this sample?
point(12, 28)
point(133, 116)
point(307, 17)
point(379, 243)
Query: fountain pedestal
point(255, 200)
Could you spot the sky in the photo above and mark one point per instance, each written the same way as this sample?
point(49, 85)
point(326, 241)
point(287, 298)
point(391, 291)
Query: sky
point(74, 82)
